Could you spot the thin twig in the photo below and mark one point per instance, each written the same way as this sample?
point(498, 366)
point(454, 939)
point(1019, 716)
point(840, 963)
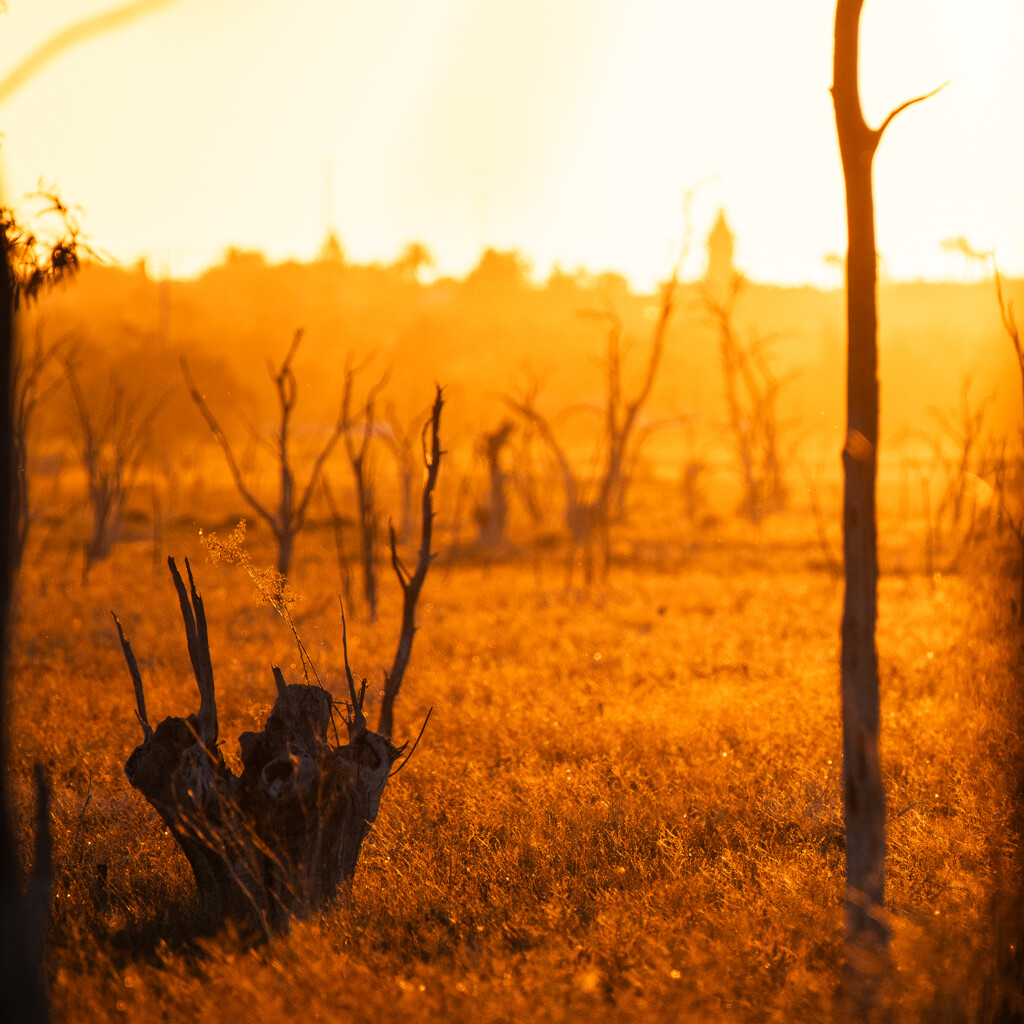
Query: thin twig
point(405, 760)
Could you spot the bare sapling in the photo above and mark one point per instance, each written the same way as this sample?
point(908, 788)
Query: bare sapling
point(1013, 516)
point(33, 382)
point(340, 550)
point(288, 518)
point(964, 459)
point(401, 437)
point(586, 523)
point(589, 503)
point(412, 582)
point(362, 477)
point(492, 514)
point(280, 839)
point(832, 563)
point(751, 395)
point(527, 475)
point(113, 444)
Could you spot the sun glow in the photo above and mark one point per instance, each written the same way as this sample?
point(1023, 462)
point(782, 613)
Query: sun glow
point(569, 131)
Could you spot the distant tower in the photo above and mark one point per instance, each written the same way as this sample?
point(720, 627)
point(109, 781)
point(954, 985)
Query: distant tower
point(720, 249)
point(331, 250)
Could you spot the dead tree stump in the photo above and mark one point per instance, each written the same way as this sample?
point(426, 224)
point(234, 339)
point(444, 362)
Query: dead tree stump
point(279, 839)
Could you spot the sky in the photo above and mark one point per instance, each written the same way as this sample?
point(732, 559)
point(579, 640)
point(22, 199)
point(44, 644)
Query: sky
point(567, 129)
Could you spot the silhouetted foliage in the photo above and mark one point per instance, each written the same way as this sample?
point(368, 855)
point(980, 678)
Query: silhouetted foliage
point(44, 245)
point(499, 270)
point(415, 258)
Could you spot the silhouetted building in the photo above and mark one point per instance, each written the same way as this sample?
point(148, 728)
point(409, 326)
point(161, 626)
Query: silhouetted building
point(720, 250)
point(331, 250)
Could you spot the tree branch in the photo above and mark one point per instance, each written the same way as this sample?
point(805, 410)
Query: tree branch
point(133, 668)
point(877, 133)
point(412, 585)
point(225, 445)
point(199, 654)
point(318, 465)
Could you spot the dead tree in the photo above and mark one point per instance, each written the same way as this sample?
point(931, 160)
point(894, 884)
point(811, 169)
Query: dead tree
point(281, 838)
point(966, 435)
point(492, 516)
point(585, 520)
point(289, 517)
point(337, 527)
point(113, 444)
point(29, 372)
point(864, 793)
point(1015, 517)
point(589, 504)
point(412, 582)
point(400, 439)
point(751, 394)
point(362, 477)
point(526, 477)
point(23, 916)
point(1012, 332)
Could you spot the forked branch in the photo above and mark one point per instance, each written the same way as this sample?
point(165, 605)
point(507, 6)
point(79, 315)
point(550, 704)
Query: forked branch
point(198, 652)
point(412, 583)
point(903, 106)
point(357, 718)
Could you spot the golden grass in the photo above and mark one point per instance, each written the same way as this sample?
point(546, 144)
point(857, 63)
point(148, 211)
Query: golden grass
point(626, 806)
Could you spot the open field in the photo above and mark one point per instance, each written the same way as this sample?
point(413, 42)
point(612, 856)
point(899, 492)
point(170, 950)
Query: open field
point(626, 805)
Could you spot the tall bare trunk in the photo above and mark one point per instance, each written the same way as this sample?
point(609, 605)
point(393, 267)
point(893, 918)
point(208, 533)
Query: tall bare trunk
point(864, 793)
point(22, 995)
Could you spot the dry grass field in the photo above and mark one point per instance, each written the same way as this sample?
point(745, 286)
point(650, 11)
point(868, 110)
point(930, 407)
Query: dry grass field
point(626, 805)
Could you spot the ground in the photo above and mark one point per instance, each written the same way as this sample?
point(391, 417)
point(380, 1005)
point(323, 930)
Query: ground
point(626, 805)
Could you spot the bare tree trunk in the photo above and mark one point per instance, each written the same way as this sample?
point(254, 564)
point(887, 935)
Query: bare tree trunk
point(358, 459)
point(344, 572)
point(27, 392)
point(1016, 521)
point(402, 442)
point(864, 793)
point(493, 518)
point(367, 534)
point(22, 992)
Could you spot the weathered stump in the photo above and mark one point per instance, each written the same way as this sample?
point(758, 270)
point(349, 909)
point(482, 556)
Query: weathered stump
point(278, 840)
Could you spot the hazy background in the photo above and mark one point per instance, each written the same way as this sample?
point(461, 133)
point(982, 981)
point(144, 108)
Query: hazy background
point(566, 130)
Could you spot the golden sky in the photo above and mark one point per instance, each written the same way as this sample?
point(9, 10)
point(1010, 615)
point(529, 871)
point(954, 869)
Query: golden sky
point(568, 129)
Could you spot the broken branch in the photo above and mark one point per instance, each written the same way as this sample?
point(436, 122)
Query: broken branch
point(413, 584)
point(133, 668)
